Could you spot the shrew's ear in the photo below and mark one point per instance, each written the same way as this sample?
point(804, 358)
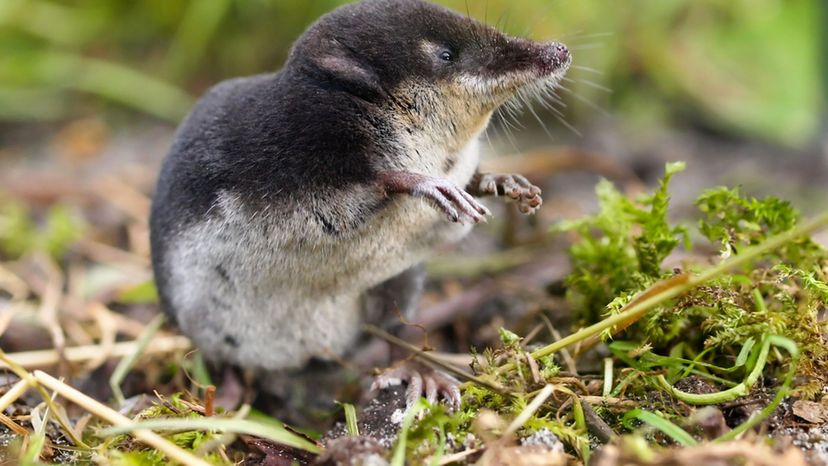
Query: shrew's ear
point(339, 65)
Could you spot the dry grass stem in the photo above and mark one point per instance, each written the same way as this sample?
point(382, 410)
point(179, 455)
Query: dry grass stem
point(109, 331)
point(113, 417)
point(50, 300)
point(457, 457)
point(129, 360)
point(79, 354)
point(16, 391)
point(13, 426)
point(530, 410)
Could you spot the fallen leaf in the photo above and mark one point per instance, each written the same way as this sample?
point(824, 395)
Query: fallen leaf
point(815, 413)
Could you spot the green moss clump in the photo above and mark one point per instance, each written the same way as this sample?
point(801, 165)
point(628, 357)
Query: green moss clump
point(621, 250)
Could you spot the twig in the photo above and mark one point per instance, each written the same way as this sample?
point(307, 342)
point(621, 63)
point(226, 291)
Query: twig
point(610, 402)
point(124, 197)
point(47, 399)
point(600, 429)
point(546, 161)
point(7, 315)
point(100, 252)
point(209, 397)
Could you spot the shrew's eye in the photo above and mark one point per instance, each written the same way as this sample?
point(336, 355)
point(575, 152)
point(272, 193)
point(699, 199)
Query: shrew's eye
point(446, 56)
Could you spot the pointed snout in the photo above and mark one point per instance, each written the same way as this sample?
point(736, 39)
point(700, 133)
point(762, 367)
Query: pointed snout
point(560, 52)
point(556, 57)
point(544, 58)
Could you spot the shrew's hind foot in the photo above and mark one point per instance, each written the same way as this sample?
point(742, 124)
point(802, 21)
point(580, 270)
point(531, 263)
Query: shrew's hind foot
point(422, 381)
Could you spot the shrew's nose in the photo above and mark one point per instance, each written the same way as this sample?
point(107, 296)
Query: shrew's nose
point(560, 52)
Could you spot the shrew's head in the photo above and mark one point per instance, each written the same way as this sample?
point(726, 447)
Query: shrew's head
point(426, 59)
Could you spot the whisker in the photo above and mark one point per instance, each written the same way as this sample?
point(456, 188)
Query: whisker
point(550, 107)
point(508, 134)
point(549, 93)
point(590, 46)
point(588, 69)
point(505, 117)
point(505, 17)
point(586, 101)
point(537, 117)
point(594, 35)
point(573, 34)
point(489, 137)
point(589, 83)
point(568, 126)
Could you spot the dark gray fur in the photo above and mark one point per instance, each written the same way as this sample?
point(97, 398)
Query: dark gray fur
point(272, 229)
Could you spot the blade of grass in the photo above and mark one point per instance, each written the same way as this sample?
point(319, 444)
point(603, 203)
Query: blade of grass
point(351, 419)
point(783, 392)
point(730, 394)
point(237, 426)
point(112, 81)
point(31, 455)
point(441, 447)
point(398, 458)
point(666, 427)
point(125, 365)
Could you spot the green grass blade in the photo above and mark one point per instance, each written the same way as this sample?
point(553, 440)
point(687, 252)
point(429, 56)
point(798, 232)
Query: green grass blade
point(239, 426)
point(125, 365)
point(398, 459)
point(654, 420)
point(351, 419)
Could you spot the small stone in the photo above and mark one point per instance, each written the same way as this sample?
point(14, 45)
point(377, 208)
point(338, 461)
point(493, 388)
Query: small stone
point(544, 438)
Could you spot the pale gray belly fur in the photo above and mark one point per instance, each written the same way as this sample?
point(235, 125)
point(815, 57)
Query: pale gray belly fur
point(273, 292)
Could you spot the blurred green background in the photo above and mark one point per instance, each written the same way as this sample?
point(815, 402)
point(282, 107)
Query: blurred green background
point(753, 69)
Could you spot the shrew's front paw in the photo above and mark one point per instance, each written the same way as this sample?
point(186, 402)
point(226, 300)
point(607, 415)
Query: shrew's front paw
point(447, 196)
point(457, 204)
point(515, 187)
